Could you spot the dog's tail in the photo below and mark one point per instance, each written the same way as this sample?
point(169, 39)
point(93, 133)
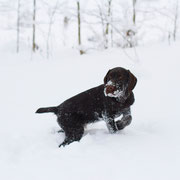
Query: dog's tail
point(47, 110)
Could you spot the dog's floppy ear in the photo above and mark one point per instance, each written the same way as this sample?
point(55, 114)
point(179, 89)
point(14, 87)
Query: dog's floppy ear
point(105, 78)
point(131, 82)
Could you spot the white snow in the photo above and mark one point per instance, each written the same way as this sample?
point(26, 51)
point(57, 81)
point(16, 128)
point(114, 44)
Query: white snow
point(148, 149)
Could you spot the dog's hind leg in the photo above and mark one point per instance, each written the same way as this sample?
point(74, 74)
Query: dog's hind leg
point(72, 134)
point(66, 142)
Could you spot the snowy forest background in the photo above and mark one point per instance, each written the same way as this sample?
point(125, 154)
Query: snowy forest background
point(45, 26)
point(51, 50)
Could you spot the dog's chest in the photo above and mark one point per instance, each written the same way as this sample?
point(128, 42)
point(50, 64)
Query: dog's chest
point(107, 112)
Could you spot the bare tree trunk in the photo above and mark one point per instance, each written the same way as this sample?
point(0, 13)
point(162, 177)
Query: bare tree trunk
point(175, 20)
point(108, 19)
point(79, 27)
point(48, 36)
point(18, 26)
point(134, 11)
point(169, 38)
point(79, 23)
point(65, 27)
point(111, 30)
point(102, 23)
point(51, 16)
point(34, 26)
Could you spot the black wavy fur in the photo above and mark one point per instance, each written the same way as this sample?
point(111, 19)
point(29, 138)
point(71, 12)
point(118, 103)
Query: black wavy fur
point(93, 105)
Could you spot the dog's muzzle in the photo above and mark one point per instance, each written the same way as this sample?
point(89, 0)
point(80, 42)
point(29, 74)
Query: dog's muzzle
point(112, 91)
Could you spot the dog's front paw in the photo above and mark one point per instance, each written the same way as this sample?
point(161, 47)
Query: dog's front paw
point(125, 121)
point(112, 127)
point(120, 125)
point(112, 131)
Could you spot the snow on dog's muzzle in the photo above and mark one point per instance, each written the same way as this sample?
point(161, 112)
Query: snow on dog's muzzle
point(111, 90)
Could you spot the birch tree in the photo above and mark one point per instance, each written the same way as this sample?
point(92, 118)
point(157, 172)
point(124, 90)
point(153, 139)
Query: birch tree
point(134, 11)
point(79, 22)
point(18, 26)
point(34, 46)
point(176, 14)
point(108, 19)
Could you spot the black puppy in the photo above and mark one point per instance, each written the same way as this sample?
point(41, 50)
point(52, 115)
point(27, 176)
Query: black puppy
point(105, 102)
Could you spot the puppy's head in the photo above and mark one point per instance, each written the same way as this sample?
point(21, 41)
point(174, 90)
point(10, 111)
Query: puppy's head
point(119, 83)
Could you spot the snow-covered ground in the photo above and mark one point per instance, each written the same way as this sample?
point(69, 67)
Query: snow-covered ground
point(148, 149)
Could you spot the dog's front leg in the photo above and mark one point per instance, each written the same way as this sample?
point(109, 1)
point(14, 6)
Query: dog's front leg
point(111, 125)
point(126, 119)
